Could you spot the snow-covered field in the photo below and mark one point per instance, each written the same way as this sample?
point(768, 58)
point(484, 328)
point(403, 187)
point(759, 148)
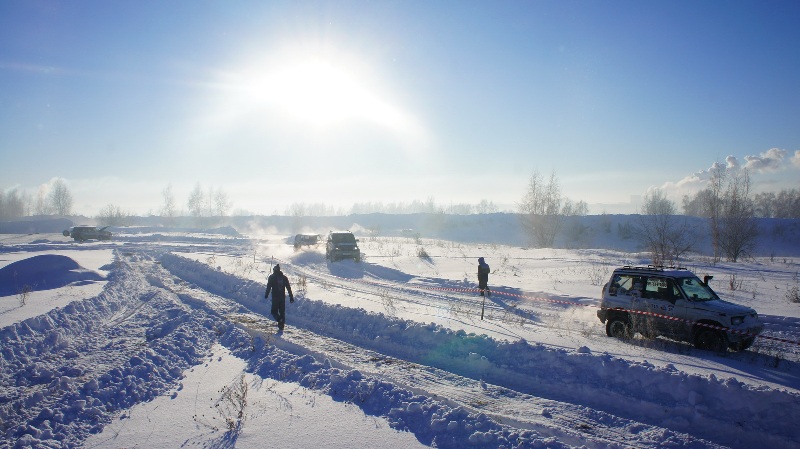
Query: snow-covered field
point(165, 340)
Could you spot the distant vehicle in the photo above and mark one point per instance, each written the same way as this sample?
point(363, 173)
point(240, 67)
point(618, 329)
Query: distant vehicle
point(409, 233)
point(305, 239)
point(342, 245)
point(83, 233)
point(674, 303)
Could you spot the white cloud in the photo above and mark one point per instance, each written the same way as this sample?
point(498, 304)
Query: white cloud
point(731, 163)
point(761, 167)
point(772, 160)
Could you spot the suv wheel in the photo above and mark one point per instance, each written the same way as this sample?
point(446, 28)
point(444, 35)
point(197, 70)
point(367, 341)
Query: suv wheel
point(742, 345)
point(619, 327)
point(710, 340)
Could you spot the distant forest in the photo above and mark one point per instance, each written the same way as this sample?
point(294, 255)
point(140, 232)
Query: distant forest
point(57, 200)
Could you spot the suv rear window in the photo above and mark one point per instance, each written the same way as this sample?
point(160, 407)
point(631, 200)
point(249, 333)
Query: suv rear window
point(343, 238)
point(623, 283)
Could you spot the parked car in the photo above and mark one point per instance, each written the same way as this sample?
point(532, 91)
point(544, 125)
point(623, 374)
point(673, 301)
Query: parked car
point(342, 245)
point(305, 239)
point(83, 233)
point(674, 303)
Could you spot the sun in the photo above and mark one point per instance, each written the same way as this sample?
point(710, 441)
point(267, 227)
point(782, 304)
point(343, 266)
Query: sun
point(319, 92)
point(297, 94)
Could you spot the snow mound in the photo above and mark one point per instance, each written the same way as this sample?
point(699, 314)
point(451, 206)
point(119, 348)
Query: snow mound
point(44, 272)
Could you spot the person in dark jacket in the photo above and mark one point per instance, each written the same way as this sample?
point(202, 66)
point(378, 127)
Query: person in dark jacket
point(483, 276)
point(278, 284)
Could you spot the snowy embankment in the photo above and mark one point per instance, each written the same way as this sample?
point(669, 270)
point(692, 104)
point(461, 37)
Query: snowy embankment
point(66, 374)
point(721, 409)
point(69, 372)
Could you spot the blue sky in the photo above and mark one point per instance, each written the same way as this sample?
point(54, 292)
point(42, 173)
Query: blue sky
point(348, 102)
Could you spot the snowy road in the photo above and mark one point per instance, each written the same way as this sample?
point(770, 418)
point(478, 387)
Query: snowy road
point(402, 344)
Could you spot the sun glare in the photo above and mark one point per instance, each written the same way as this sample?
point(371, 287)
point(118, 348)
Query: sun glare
point(331, 95)
point(320, 93)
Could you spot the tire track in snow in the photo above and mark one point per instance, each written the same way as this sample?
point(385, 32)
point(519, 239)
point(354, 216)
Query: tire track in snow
point(67, 372)
point(510, 380)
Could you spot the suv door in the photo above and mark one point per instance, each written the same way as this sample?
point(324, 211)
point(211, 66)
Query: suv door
point(623, 291)
point(666, 308)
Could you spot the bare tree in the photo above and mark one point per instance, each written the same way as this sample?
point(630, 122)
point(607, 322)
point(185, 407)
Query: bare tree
point(4, 214)
point(459, 209)
point(541, 209)
point(112, 215)
point(60, 198)
point(430, 206)
point(787, 204)
point(41, 206)
point(320, 210)
point(737, 226)
point(764, 204)
point(731, 210)
point(575, 209)
point(221, 203)
point(697, 205)
point(714, 207)
point(486, 207)
point(196, 203)
point(12, 204)
point(168, 206)
point(665, 235)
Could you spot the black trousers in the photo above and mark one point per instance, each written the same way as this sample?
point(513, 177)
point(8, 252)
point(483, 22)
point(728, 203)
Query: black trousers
point(279, 309)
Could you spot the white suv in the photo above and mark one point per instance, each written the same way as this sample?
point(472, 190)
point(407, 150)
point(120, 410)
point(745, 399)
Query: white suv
point(674, 303)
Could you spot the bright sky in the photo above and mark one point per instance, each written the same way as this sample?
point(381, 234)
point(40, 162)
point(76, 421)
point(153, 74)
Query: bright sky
point(394, 101)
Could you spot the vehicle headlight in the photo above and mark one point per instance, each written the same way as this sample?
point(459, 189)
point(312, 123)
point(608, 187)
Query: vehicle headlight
point(737, 320)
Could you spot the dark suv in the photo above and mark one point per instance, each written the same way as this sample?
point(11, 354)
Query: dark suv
point(305, 239)
point(342, 245)
point(674, 303)
point(83, 233)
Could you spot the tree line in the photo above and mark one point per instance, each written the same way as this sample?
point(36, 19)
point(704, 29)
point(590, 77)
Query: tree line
point(429, 206)
point(543, 209)
point(727, 202)
point(783, 204)
point(55, 199)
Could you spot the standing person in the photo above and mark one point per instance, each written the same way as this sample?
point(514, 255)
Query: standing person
point(278, 283)
point(483, 276)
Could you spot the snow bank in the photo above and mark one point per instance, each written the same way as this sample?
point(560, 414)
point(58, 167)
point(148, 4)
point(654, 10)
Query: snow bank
point(43, 272)
point(432, 421)
point(66, 372)
point(723, 409)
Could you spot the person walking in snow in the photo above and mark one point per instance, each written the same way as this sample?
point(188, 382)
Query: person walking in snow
point(278, 284)
point(483, 276)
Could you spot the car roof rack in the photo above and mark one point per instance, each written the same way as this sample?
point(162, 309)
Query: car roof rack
point(653, 267)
